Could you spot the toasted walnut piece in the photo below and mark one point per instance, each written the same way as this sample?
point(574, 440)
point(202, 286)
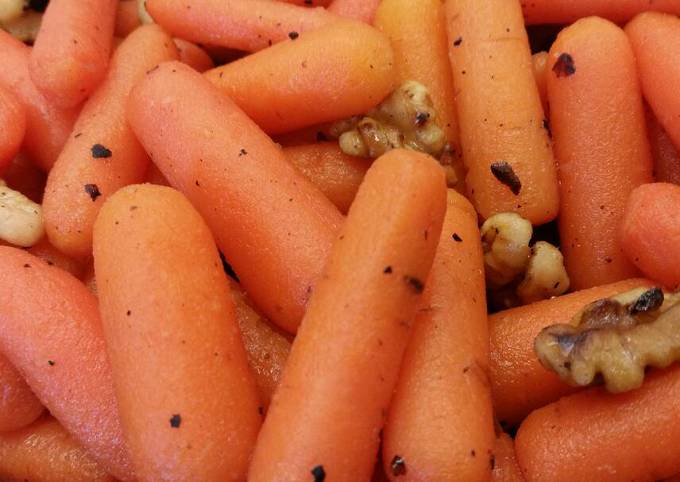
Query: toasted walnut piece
point(406, 118)
point(21, 221)
point(144, 16)
point(10, 10)
point(26, 27)
point(505, 239)
point(545, 276)
point(614, 339)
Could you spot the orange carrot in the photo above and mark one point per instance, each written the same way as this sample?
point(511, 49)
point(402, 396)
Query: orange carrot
point(127, 18)
point(664, 153)
point(271, 223)
point(179, 368)
point(13, 122)
point(44, 451)
point(267, 349)
point(54, 257)
point(362, 10)
point(601, 146)
point(505, 467)
point(655, 38)
point(603, 437)
point(51, 332)
point(48, 125)
point(335, 173)
point(651, 229)
point(249, 25)
point(540, 62)
point(417, 32)
point(296, 84)
point(502, 127)
point(519, 383)
point(18, 405)
point(440, 422)
point(71, 53)
point(568, 11)
point(193, 55)
point(23, 176)
point(102, 155)
point(326, 415)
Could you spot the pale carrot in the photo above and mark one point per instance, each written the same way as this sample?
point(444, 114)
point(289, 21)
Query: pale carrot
point(193, 55)
point(599, 436)
point(271, 223)
point(13, 122)
point(102, 154)
point(601, 146)
point(71, 53)
point(51, 332)
point(505, 467)
point(44, 451)
point(503, 133)
point(568, 11)
point(127, 18)
point(519, 383)
point(18, 405)
point(335, 173)
point(665, 155)
point(296, 84)
point(361, 10)
point(48, 125)
point(249, 25)
point(326, 415)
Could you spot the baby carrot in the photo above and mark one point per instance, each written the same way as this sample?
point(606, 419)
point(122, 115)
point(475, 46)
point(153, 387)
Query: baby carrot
point(655, 38)
point(127, 18)
point(505, 467)
point(417, 32)
point(296, 84)
point(664, 153)
point(651, 230)
point(18, 405)
point(193, 55)
point(603, 437)
point(519, 383)
point(325, 417)
point(48, 125)
point(540, 62)
point(102, 155)
point(440, 422)
point(51, 332)
point(601, 146)
point(361, 10)
point(13, 122)
point(249, 25)
point(185, 394)
point(266, 217)
point(568, 11)
point(71, 53)
point(335, 173)
point(503, 132)
point(44, 451)
point(54, 257)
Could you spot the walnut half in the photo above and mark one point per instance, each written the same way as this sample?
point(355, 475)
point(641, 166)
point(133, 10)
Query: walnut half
point(614, 339)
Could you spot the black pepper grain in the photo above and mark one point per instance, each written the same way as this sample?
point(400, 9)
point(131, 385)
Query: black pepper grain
point(175, 420)
point(388, 270)
point(293, 35)
point(100, 152)
point(506, 175)
point(398, 466)
point(50, 363)
point(457, 238)
point(458, 41)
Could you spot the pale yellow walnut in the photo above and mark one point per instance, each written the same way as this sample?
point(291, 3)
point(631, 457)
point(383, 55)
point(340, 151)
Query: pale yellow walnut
point(505, 239)
point(545, 276)
point(10, 10)
point(25, 27)
point(144, 16)
point(614, 339)
point(21, 222)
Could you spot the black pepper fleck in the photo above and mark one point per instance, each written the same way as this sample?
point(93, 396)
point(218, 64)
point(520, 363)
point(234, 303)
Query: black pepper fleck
point(50, 363)
point(398, 466)
point(504, 173)
point(93, 191)
point(242, 152)
point(457, 238)
point(293, 35)
point(458, 41)
point(388, 270)
point(564, 67)
point(100, 152)
point(319, 473)
point(175, 420)
point(415, 284)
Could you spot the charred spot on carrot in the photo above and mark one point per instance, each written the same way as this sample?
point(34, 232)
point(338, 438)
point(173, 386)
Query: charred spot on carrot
point(503, 171)
point(398, 466)
point(564, 66)
point(318, 473)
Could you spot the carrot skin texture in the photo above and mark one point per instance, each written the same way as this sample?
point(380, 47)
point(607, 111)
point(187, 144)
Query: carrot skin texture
point(601, 146)
point(13, 122)
point(295, 84)
point(651, 232)
point(581, 437)
point(127, 18)
point(69, 209)
point(54, 257)
point(47, 315)
point(248, 25)
point(505, 467)
point(664, 153)
point(48, 125)
point(499, 110)
point(445, 366)
point(18, 405)
point(356, 328)
point(335, 173)
point(237, 173)
point(361, 10)
point(178, 363)
point(417, 32)
point(44, 451)
point(655, 38)
point(193, 55)
point(568, 11)
point(71, 52)
point(519, 383)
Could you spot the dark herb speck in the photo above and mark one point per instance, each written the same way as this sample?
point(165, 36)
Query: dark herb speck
point(100, 152)
point(458, 41)
point(505, 174)
point(398, 466)
point(293, 35)
point(564, 67)
point(319, 473)
point(175, 420)
point(93, 191)
point(457, 238)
